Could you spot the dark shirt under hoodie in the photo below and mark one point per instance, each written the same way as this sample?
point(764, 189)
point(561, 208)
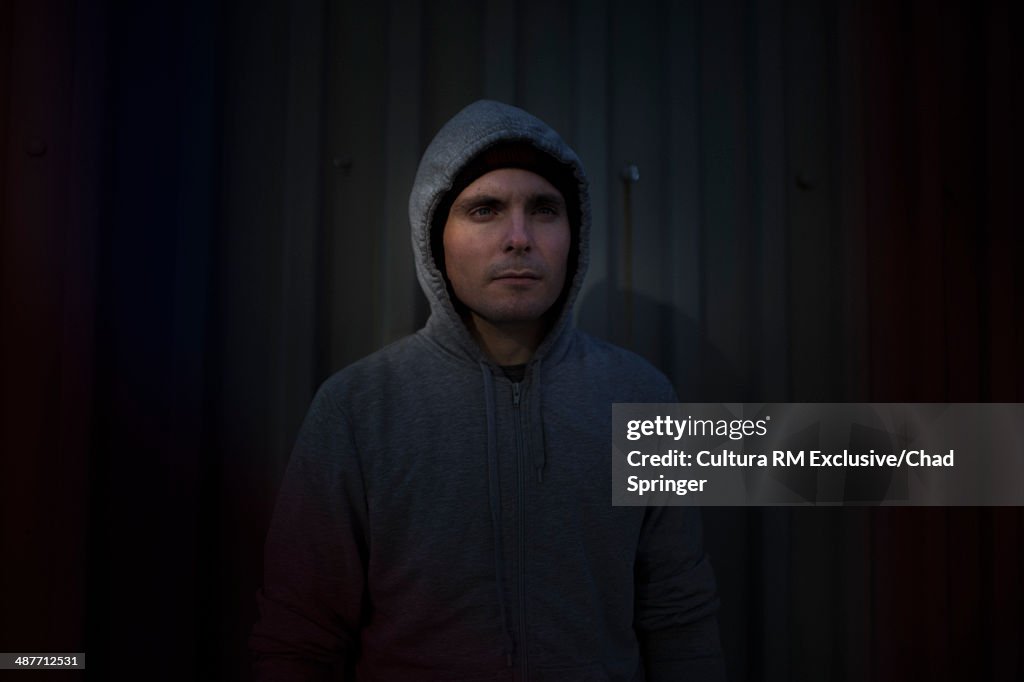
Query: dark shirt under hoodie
point(441, 521)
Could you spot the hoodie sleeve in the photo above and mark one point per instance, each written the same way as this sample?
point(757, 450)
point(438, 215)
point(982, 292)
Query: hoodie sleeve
point(312, 599)
point(676, 602)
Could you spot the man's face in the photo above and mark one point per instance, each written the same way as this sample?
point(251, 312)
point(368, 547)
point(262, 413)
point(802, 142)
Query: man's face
point(506, 242)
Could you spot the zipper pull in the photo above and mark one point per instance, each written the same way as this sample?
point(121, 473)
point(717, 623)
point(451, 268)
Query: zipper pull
point(515, 394)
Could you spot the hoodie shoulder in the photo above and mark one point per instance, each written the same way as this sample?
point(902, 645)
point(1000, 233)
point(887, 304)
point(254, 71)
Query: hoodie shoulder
point(380, 371)
point(633, 377)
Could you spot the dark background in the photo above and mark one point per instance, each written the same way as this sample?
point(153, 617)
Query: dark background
point(203, 216)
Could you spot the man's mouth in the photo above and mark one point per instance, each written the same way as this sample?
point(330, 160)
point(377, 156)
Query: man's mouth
point(517, 275)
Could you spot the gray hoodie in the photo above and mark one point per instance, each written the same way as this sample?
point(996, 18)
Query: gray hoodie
point(438, 521)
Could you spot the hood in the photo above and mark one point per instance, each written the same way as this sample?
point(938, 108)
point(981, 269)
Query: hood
point(473, 130)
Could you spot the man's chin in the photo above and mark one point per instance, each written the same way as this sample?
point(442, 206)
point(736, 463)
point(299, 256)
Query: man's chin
point(514, 315)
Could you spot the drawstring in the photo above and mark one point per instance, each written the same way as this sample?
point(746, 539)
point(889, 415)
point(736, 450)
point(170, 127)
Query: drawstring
point(495, 498)
point(537, 423)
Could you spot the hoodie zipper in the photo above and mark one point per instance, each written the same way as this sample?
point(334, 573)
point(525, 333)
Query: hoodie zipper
point(521, 516)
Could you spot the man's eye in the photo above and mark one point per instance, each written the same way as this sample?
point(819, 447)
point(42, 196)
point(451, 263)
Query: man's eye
point(482, 212)
point(547, 210)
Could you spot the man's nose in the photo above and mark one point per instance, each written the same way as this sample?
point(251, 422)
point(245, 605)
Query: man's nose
point(518, 236)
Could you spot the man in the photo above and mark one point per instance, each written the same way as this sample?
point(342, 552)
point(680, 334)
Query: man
point(446, 514)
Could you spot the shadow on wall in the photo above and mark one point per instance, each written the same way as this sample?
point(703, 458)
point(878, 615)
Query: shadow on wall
point(669, 339)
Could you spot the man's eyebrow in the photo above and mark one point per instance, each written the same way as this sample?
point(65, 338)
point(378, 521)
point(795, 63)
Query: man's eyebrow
point(547, 198)
point(477, 200)
point(485, 199)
